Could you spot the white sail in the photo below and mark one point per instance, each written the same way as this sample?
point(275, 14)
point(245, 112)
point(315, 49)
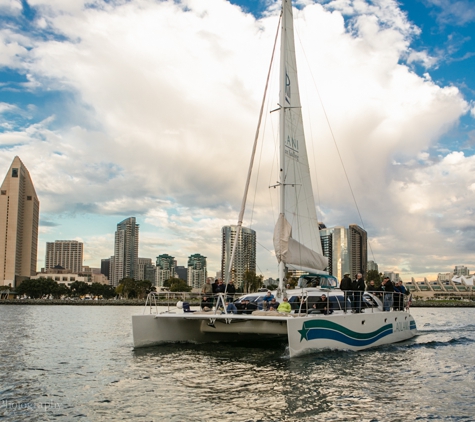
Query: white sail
point(298, 243)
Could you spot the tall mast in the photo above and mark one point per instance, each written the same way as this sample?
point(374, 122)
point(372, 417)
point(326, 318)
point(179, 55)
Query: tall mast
point(283, 84)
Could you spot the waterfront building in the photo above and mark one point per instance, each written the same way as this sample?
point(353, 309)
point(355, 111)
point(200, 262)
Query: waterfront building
point(150, 273)
point(461, 270)
point(142, 265)
point(372, 266)
point(19, 216)
point(165, 269)
point(181, 272)
point(335, 248)
point(197, 271)
point(62, 275)
point(105, 267)
point(66, 253)
point(245, 258)
point(345, 248)
point(126, 251)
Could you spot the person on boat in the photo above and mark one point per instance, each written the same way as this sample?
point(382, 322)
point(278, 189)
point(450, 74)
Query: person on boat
point(206, 303)
point(284, 306)
point(399, 292)
point(214, 286)
point(358, 287)
point(388, 289)
point(231, 290)
point(246, 307)
point(273, 303)
point(220, 288)
point(267, 298)
point(323, 305)
point(207, 288)
point(231, 307)
point(345, 286)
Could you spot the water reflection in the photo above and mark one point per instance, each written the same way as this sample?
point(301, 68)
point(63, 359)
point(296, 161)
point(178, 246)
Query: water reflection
point(81, 358)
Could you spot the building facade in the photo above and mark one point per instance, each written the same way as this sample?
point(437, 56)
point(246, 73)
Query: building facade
point(245, 258)
point(19, 216)
point(165, 269)
point(346, 250)
point(142, 266)
point(197, 271)
point(67, 253)
point(126, 251)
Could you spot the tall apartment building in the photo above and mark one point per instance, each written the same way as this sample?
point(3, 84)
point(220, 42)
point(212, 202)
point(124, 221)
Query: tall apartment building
point(19, 216)
point(181, 272)
point(197, 271)
point(245, 259)
point(143, 263)
point(372, 266)
point(460, 270)
point(346, 250)
point(358, 249)
point(105, 267)
point(165, 269)
point(335, 248)
point(67, 253)
point(126, 251)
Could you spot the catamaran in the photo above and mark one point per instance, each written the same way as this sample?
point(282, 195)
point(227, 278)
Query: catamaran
point(297, 245)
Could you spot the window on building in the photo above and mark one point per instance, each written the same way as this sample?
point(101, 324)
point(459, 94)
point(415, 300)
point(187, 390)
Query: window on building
point(4, 192)
point(28, 198)
point(14, 172)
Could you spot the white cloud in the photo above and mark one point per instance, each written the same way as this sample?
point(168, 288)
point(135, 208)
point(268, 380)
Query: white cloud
point(166, 101)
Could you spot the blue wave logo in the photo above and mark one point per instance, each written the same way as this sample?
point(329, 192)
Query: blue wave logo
point(313, 330)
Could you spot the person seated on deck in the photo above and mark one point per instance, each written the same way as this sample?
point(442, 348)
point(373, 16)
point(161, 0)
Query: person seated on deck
point(266, 299)
point(231, 308)
point(284, 306)
point(246, 307)
point(206, 303)
point(323, 306)
point(273, 303)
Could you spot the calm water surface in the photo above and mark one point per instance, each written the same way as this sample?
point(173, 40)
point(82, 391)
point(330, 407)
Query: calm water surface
point(77, 363)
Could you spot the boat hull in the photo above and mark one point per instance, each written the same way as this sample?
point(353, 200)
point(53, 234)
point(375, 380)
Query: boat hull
point(349, 331)
point(304, 334)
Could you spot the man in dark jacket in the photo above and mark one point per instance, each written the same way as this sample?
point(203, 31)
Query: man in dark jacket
point(345, 286)
point(358, 287)
point(388, 289)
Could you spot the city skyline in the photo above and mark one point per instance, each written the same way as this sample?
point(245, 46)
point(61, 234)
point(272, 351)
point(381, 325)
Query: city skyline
point(161, 126)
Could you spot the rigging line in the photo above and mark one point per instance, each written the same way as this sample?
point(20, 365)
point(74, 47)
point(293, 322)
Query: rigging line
point(249, 172)
point(337, 149)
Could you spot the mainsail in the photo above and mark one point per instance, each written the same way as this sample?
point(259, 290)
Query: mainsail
point(296, 236)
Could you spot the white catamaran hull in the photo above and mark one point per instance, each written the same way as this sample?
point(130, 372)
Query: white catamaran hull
point(304, 334)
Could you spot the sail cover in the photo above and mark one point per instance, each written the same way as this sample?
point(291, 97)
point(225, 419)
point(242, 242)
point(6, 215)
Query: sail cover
point(297, 235)
point(293, 253)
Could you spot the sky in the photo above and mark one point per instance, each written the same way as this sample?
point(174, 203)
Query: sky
point(149, 108)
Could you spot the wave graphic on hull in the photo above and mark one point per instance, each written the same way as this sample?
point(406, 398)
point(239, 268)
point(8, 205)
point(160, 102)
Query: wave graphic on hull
point(313, 330)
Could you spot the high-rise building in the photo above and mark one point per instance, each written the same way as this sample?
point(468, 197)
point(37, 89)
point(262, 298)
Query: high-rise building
point(105, 267)
point(126, 251)
point(460, 270)
point(197, 271)
point(19, 216)
point(372, 266)
point(245, 258)
point(165, 269)
point(67, 253)
point(358, 249)
point(142, 265)
point(346, 250)
point(335, 248)
point(181, 272)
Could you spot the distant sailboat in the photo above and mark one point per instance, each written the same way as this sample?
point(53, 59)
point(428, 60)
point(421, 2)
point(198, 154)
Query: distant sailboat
point(297, 246)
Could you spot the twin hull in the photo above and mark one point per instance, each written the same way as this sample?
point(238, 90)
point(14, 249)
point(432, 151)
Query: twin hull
point(304, 334)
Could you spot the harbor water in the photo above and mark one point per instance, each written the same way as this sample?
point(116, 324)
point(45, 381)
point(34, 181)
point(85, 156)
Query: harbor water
point(77, 363)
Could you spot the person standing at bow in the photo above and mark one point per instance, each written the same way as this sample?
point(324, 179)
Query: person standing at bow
point(358, 287)
point(345, 287)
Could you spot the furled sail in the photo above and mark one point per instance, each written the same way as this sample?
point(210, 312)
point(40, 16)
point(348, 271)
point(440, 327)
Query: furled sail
point(297, 235)
point(293, 253)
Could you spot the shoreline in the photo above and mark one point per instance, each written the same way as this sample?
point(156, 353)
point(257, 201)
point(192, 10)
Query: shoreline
point(141, 302)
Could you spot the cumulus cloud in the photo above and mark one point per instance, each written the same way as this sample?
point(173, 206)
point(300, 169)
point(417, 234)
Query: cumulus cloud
point(165, 98)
